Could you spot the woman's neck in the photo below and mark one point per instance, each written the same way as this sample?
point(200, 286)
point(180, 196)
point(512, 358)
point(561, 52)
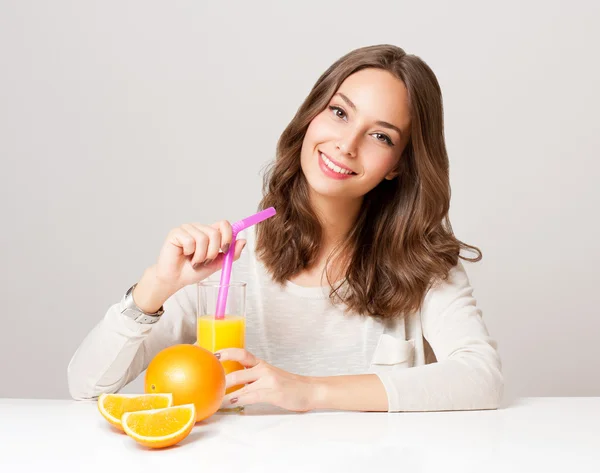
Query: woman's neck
point(337, 217)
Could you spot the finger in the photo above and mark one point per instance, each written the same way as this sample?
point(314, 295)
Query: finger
point(226, 401)
point(239, 246)
point(242, 356)
point(217, 263)
point(215, 237)
point(226, 231)
point(181, 238)
point(240, 377)
point(201, 243)
point(246, 397)
point(207, 236)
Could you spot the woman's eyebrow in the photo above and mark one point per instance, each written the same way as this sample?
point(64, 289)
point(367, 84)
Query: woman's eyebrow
point(379, 122)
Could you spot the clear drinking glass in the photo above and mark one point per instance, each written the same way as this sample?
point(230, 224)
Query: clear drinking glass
point(215, 333)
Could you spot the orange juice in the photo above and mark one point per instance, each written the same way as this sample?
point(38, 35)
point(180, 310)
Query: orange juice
point(215, 334)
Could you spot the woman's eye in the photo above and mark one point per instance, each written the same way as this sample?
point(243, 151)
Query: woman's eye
point(386, 139)
point(335, 109)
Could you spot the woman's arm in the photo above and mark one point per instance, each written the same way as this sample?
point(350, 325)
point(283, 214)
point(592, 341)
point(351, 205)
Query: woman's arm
point(362, 392)
point(118, 349)
point(467, 375)
point(266, 383)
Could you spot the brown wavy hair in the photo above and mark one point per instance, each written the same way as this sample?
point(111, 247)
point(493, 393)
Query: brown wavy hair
point(402, 240)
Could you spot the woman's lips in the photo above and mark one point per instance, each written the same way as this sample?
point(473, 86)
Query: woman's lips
point(330, 172)
point(336, 163)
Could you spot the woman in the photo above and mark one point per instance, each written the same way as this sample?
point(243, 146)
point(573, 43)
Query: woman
point(357, 299)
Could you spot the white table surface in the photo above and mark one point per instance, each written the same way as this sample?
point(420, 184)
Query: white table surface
point(528, 435)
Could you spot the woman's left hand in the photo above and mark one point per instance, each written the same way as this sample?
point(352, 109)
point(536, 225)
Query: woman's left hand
point(266, 384)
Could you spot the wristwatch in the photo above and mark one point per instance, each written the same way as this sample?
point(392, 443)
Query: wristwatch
point(131, 310)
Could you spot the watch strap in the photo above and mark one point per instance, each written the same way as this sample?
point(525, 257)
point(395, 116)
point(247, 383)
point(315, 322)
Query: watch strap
point(131, 310)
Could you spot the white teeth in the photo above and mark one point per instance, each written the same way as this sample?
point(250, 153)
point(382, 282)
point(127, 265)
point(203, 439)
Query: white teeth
point(332, 166)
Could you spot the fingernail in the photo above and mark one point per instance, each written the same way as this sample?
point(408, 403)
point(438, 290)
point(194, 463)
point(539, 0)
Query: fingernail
point(208, 261)
point(226, 248)
point(233, 400)
point(218, 355)
point(196, 266)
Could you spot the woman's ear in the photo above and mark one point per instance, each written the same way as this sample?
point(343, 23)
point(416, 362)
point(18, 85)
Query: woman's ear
point(392, 175)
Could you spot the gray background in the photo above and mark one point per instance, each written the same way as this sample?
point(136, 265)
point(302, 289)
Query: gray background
point(121, 120)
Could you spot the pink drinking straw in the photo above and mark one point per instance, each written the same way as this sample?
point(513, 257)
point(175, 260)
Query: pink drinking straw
point(228, 260)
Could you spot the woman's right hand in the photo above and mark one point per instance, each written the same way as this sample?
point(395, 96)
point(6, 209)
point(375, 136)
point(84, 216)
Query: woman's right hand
point(191, 253)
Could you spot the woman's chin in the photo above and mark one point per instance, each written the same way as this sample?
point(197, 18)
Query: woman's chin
point(326, 189)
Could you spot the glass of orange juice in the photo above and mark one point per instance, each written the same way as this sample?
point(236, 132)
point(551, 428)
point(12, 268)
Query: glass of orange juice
point(216, 333)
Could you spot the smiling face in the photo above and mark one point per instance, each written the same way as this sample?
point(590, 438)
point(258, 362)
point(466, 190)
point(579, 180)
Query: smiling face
point(357, 140)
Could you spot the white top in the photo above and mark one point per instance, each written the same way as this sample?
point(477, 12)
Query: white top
point(299, 330)
point(531, 435)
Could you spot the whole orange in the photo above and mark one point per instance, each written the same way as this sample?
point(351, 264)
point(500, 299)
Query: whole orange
point(192, 374)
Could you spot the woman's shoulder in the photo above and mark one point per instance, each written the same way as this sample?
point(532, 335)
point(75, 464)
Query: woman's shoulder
point(443, 292)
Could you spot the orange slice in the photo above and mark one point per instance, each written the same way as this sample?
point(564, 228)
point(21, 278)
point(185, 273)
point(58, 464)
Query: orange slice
point(113, 406)
point(160, 428)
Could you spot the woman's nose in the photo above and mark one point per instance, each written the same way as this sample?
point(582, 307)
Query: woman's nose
point(348, 144)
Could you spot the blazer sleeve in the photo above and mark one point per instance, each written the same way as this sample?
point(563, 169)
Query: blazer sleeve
point(468, 373)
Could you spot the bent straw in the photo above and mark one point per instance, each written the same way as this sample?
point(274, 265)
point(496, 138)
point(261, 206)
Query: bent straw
point(228, 260)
